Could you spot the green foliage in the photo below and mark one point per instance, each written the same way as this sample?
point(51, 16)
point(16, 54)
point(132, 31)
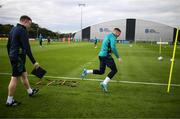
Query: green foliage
point(34, 31)
point(5, 29)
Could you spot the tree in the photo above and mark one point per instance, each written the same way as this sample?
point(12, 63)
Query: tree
point(5, 29)
point(34, 31)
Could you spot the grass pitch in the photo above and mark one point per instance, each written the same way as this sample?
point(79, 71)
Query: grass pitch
point(86, 100)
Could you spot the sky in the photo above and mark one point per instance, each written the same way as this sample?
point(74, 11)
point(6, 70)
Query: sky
point(64, 16)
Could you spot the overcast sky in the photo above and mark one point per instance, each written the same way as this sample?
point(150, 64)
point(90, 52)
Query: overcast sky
point(64, 15)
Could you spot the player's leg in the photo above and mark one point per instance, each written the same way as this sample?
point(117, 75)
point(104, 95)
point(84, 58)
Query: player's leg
point(25, 81)
point(96, 45)
point(11, 91)
point(102, 67)
point(24, 76)
point(12, 84)
point(111, 64)
point(99, 71)
point(113, 68)
point(41, 43)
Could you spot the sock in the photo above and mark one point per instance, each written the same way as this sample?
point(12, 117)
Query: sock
point(29, 91)
point(106, 80)
point(9, 99)
point(89, 71)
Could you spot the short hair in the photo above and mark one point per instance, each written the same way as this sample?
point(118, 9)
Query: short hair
point(117, 29)
point(25, 17)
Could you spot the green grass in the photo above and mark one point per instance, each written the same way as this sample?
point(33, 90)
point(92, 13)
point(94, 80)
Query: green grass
point(140, 64)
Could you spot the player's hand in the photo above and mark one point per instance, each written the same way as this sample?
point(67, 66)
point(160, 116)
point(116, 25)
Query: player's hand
point(36, 65)
point(120, 60)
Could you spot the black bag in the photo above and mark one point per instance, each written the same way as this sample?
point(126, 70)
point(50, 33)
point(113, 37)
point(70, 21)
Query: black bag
point(39, 72)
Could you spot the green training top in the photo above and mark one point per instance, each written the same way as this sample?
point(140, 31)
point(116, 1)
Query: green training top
point(109, 44)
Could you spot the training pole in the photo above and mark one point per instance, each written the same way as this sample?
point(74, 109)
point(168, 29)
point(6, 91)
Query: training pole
point(172, 62)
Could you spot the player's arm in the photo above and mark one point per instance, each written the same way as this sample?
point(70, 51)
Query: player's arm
point(26, 45)
point(114, 49)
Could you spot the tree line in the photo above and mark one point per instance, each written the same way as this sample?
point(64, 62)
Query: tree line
point(34, 31)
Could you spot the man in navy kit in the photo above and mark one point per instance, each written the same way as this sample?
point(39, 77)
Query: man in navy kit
point(18, 47)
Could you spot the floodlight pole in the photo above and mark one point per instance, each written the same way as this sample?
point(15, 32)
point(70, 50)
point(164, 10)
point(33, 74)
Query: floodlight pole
point(81, 6)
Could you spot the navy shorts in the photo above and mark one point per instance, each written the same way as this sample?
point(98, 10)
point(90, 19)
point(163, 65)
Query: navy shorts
point(18, 65)
point(109, 62)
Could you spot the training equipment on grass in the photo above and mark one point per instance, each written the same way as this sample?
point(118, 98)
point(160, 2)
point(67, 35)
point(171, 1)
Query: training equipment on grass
point(172, 63)
point(172, 60)
point(160, 58)
point(160, 43)
point(48, 82)
point(131, 46)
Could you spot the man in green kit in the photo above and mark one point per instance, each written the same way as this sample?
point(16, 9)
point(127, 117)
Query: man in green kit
point(105, 58)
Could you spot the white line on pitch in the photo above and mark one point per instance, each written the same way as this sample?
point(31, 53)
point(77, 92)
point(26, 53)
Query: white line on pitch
point(115, 81)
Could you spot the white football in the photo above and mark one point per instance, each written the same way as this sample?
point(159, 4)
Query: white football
point(171, 59)
point(131, 46)
point(160, 58)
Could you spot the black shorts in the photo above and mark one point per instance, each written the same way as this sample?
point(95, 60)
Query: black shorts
point(107, 61)
point(18, 65)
